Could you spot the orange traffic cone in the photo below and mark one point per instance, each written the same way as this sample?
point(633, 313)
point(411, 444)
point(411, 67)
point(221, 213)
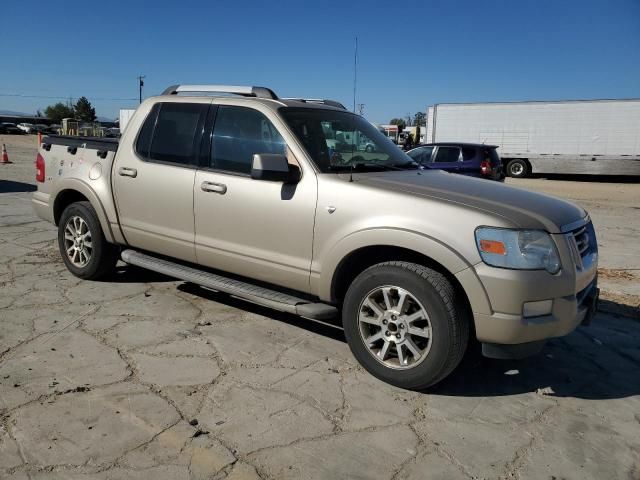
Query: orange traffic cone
point(5, 155)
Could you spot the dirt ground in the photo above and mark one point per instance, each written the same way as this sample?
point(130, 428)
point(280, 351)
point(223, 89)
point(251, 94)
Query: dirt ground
point(141, 376)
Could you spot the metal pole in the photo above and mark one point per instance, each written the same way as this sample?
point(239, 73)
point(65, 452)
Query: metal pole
point(140, 85)
point(355, 74)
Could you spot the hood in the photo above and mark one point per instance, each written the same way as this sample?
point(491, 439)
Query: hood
point(523, 208)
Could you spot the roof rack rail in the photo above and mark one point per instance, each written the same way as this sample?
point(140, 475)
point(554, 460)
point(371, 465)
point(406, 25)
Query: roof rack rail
point(259, 92)
point(331, 103)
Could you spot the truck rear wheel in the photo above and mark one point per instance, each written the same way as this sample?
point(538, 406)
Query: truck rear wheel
point(85, 251)
point(518, 168)
point(404, 325)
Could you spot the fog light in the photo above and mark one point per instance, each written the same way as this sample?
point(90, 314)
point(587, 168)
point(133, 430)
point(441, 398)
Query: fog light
point(537, 309)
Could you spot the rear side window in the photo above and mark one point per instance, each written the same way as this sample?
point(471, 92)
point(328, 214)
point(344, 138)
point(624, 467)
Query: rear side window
point(146, 132)
point(173, 133)
point(447, 154)
point(238, 134)
point(468, 153)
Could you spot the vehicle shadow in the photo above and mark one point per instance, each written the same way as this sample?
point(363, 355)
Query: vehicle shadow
point(124, 273)
point(589, 178)
point(330, 329)
point(598, 362)
point(9, 186)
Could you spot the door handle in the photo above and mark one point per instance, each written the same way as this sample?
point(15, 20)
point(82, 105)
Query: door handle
point(214, 187)
point(127, 172)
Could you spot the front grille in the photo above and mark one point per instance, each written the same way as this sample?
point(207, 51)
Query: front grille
point(583, 244)
point(582, 239)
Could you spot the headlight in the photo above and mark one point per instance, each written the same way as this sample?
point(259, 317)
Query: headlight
point(518, 249)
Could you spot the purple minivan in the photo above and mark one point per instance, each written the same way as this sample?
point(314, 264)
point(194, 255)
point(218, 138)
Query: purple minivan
point(472, 159)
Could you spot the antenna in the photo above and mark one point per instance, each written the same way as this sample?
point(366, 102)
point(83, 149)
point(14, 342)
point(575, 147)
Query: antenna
point(355, 74)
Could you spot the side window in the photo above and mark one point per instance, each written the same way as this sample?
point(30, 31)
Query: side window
point(421, 155)
point(238, 134)
point(447, 154)
point(146, 132)
point(173, 137)
point(468, 153)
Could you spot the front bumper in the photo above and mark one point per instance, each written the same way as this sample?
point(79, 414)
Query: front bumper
point(572, 295)
point(567, 313)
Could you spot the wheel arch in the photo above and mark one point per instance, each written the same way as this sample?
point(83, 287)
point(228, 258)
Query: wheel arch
point(362, 258)
point(76, 191)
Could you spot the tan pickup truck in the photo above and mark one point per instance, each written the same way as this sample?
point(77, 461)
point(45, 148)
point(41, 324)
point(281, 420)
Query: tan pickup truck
point(271, 200)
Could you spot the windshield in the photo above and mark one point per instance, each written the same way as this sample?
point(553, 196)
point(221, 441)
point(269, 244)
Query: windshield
point(339, 141)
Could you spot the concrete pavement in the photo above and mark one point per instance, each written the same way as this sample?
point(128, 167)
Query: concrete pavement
point(144, 377)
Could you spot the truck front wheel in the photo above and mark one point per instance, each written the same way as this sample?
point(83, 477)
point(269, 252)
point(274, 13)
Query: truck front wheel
point(85, 251)
point(404, 324)
point(518, 168)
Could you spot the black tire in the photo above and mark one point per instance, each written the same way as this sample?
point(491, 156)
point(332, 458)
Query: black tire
point(518, 168)
point(104, 255)
point(448, 316)
point(369, 148)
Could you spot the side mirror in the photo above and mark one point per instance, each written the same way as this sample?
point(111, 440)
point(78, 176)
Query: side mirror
point(274, 168)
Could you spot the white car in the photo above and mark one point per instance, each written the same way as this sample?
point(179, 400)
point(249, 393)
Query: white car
point(26, 127)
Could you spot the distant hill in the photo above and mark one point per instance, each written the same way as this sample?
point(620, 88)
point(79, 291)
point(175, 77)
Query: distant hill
point(15, 114)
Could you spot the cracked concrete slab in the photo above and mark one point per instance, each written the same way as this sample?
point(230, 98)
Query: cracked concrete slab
point(94, 427)
point(367, 454)
point(252, 418)
point(167, 371)
point(140, 376)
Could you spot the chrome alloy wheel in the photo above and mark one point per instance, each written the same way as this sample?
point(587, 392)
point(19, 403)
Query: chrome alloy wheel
point(77, 241)
point(395, 327)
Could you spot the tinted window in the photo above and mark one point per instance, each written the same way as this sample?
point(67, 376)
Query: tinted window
point(146, 132)
point(493, 156)
point(468, 153)
point(238, 134)
point(176, 132)
point(421, 155)
point(447, 154)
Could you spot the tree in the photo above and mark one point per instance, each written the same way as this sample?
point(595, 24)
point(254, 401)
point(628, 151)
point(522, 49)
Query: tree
point(400, 122)
point(57, 112)
point(419, 118)
point(84, 110)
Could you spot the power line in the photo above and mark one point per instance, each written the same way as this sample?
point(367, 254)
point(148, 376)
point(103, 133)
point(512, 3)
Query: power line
point(66, 97)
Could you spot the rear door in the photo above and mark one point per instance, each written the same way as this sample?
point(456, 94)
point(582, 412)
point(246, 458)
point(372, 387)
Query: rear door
point(154, 175)
point(447, 158)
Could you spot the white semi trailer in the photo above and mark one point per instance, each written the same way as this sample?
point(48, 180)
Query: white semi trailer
point(599, 137)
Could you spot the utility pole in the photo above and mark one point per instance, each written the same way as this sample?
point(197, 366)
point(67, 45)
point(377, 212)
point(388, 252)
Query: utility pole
point(140, 85)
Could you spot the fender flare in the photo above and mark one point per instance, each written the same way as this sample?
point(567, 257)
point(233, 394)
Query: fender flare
point(93, 198)
point(393, 237)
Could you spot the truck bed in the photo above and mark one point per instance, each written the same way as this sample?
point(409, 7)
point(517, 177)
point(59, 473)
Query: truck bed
point(96, 143)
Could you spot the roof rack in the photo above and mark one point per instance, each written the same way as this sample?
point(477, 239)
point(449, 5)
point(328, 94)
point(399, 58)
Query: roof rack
point(259, 92)
point(331, 103)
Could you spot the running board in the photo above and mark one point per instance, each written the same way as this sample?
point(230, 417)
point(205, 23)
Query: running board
point(247, 291)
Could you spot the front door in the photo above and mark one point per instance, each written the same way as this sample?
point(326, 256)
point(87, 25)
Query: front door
point(153, 178)
point(255, 228)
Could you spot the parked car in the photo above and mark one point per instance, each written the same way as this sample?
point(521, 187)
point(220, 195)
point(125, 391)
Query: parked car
point(471, 159)
point(41, 128)
point(243, 196)
point(10, 128)
point(25, 127)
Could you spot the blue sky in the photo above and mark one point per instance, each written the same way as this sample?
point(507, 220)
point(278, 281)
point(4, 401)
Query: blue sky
point(411, 54)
